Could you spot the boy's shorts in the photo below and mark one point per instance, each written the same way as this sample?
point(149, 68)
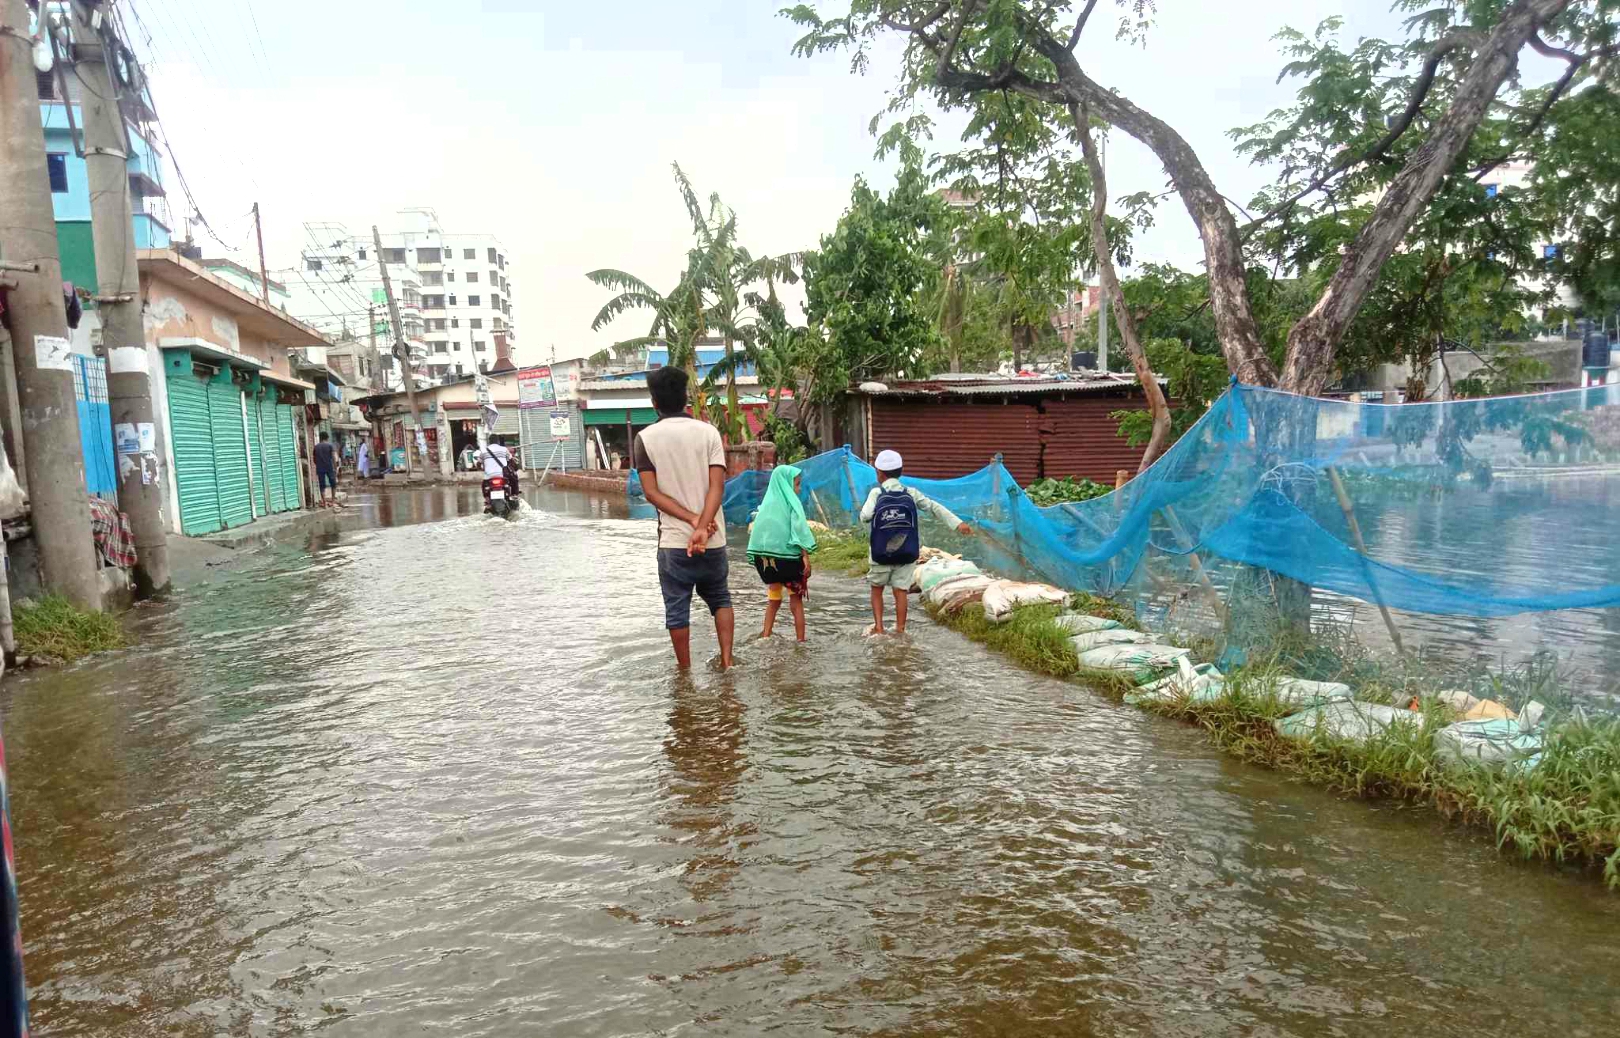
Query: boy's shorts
point(326, 478)
point(898, 577)
point(680, 574)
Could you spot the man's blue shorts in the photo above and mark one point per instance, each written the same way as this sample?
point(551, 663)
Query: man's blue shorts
point(680, 574)
point(326, 478)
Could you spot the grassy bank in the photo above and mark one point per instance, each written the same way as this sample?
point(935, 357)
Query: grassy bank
point(1566, 809)
point(54, 629)
point(840, 551)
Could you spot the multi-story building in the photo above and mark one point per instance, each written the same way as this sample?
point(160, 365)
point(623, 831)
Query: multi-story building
point(454, 291)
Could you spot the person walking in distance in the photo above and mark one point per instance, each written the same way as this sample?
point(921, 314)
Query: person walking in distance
point(682, 465)
point(326, 469)
point(892, 509)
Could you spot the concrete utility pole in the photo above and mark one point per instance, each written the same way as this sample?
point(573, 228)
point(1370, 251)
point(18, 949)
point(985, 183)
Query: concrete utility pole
point(402, 350)
point(264, 281)
point(43, 356)
point(129, 376)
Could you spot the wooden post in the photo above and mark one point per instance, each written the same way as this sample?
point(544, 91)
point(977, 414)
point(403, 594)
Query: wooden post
point(1361, 547)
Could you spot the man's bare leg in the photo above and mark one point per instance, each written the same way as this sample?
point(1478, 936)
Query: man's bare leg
point(681, 639)
point(900, 604)
point(725, 628)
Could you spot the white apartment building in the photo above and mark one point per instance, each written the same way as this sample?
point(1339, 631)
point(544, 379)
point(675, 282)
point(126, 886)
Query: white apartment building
point(454, 291)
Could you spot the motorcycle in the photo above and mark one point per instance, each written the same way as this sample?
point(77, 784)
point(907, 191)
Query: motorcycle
point(501, 497)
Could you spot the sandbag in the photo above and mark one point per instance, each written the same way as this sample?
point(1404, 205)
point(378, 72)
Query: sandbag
point(1198, 684)
point(1345, 719)
point(955, 594)
point(931, 574)
point(1467, 707)
point(1140, 662)
point(1492, 741)
point(1081, 623)
point(1301, 692)
point(1116, 636)
point(1003, 596)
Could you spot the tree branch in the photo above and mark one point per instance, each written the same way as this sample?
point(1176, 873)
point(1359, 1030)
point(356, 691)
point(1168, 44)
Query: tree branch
point(1576, 62)
point(1080, 24)
point(921, 25)
point(1315, 337)
point(956, 37)
point(1157, 406)
point(1414, 104)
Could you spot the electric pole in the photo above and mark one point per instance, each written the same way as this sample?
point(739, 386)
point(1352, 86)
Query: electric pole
point(264, 281)
point(123, 337)
point(402, 350)
point(43, 356)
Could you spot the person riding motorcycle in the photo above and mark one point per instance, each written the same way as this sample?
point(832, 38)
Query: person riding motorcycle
point(498, 460)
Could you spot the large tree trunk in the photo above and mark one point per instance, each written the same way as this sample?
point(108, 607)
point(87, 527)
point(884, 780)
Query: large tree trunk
point(1157, 406)
point(1313, 340)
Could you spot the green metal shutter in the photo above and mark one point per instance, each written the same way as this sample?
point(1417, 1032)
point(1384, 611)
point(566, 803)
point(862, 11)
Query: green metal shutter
point(230, 454)
point(270, 437)
point(289, 457)
point(193, 433)
point(255, 457)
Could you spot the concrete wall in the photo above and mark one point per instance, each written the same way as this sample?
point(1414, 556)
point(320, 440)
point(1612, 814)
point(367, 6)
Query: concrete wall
point(172, 312)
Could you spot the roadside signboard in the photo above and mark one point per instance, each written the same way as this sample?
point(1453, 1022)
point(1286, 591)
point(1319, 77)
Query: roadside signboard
point(536, 388)
point(561, 426)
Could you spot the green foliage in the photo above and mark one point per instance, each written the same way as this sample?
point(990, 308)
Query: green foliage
point(56, 628)
point(790, 443)
point(866, 286)
point(1507, 371)
point(1049, 491)
point(1031, 637)
point(1195, 380)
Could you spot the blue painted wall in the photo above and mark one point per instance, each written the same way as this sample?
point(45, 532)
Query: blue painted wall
point(74, 204)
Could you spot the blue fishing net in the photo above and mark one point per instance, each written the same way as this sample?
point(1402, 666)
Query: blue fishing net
point(1471, 508)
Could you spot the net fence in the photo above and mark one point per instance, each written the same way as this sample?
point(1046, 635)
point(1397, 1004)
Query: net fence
point(1384, 516)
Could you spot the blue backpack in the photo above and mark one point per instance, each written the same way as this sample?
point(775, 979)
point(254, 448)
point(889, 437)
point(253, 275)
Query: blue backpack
point(895, 540)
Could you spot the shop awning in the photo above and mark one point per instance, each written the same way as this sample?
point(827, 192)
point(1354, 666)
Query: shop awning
point(619, 415)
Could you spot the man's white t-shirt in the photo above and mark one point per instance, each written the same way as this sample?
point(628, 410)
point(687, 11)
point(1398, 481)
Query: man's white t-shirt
point(495, 457)
point(680, 451)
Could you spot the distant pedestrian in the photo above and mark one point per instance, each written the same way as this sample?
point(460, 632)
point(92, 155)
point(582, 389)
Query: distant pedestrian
point(779, 545)
point(683, 473)
point(469, 457)
point(364, 464)
point(892, 508)
point(326, 469)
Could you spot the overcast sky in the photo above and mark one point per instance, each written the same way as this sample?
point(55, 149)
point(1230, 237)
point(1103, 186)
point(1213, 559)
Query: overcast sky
point(553, 123)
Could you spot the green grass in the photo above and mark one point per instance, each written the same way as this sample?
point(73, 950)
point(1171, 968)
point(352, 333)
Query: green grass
point(841, 551)
point(53, 627)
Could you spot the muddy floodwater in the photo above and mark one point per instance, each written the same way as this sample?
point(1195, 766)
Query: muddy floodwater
point(435, 775)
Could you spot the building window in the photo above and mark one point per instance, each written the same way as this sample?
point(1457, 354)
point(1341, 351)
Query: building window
point(475, 300)
point(455, 322)
point(469, 253)
point(1549, 252)
point(312, 263)
point(483, 367)
point(498, 325)
point(393, 255)
point(56, 162)
point(495, 301)
point(452, 300)
point(361, 254)
point(433, 302)
point(476, 322)
point(456, 346)
point(1490, 190)
point(472, 277)
point(449, 275)
point(492, 255)
point(478, 345)
point(439, 347)
point(45, 84)
point(432, 279)
point(494, 278)
point(500, 261)
point(427, 256)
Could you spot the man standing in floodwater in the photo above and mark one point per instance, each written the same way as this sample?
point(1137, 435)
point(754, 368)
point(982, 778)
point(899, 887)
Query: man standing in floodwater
point(682, 465)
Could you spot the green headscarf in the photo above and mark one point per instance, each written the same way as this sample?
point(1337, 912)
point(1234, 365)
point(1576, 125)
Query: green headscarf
point(780, 528)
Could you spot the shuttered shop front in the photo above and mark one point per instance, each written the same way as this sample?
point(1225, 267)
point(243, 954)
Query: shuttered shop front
point(539, 449)
point(192, 430)
point(1038, 435)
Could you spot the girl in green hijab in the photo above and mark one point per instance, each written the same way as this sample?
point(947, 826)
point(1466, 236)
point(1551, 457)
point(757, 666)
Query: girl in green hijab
point(779, 545)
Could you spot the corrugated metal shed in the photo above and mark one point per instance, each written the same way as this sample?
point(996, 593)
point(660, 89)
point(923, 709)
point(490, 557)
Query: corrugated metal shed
point(1041, 428)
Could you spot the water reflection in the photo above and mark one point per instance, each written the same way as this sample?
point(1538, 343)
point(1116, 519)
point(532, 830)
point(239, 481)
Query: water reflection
point(439, 775)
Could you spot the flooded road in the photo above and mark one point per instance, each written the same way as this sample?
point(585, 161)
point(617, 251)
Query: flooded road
point(436, 775)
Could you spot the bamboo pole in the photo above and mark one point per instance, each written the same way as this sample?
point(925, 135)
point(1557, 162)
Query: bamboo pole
point(1361, 547)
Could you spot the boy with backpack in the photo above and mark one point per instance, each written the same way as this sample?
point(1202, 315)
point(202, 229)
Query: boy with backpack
point(891, 508)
